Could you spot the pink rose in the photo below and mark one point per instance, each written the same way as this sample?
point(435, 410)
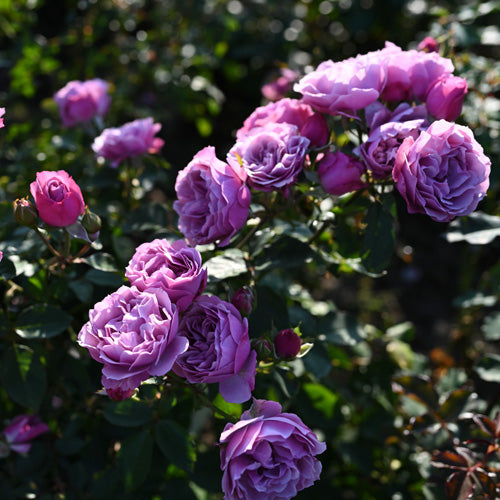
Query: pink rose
point(58, 198)
point(23, 429)
point(212, 199)
point(343, 87)
point(445, 97)
point(174, 267)
point(132, 139)
point(428, 44)
point(443, 172)
point(2, 112)
point(340, 173)
point(280, 87)
point(268, 454)
point(81, 101)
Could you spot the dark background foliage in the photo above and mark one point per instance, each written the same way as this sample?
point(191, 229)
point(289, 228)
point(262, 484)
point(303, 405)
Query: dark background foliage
point(197, 67)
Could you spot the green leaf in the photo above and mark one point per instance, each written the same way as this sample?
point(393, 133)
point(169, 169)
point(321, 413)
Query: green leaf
point(135, 459)
point(104, 278)
point(102, 261)
point(491, 327)
point(82, 289)
point(477, 228)
point(488, 368)
point(128, 413)
point(454, 404)
point(378, 242)
point(175, 444)
point(42, 321)
point(417, 387)
point(341, 329)
point(23, 376)
point(233, 409)
point(7, 268)
point(228, 264)
point(77, 231)
point(323, 399)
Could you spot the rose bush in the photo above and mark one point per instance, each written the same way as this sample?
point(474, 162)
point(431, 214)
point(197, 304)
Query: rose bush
point(212, 199)
point(219, 348)
point(58, 198)
point(81, 101)
point(443, 173)
point(174, 267)
point(131, 139)
point(134, 334)
point(268, 454)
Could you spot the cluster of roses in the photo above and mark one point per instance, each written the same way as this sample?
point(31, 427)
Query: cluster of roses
point(163, 322)
point(80, 102)
point(389, 97)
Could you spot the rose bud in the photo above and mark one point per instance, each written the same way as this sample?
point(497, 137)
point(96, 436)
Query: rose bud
point(91, 221)
point(428, 44)
point(340, 173)
point(25, 212)
point(287, 344)
point(244, 300)
point(445, 96)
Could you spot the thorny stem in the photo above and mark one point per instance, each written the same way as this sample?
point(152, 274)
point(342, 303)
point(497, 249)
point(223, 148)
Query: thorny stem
point(47, 244)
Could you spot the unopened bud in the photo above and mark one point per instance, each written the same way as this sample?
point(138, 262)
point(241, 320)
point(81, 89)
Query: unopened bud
point(25, 212)
point(263, 349)
point(91, 222)
point(244, 300)
point(287, 344)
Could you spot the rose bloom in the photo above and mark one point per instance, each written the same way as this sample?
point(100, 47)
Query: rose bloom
point(81, 101)
point(377, 114)
point(268, 454)
point(379, 150)
point(443, 172)
point(212, 199)
point(58, 198)
point(280, 87)
point(2, 112)
point(133, 333)
point(343, 87)
point(23, 429)
point(219, 348)
point(272, 156)
point(174, 267)
point(340, 173)
point(445, 97)
point(131, 139)
point(310, 124)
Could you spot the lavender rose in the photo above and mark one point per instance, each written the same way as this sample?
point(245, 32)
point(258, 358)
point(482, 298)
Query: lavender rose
point(343, 87)
point(281, 86)
point(131, 139)
point(443, 172)
point(81, 101)
point(21, 431)
point(58, 198)
point(445, 97)
point(272, 156)
point(379, 150)
point(268, 454)
point(340, 173)
point(174, 267)
point(212, 199)
point(133, 333)
point(219, 348)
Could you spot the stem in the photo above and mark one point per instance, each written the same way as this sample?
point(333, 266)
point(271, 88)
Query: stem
point(47, 244)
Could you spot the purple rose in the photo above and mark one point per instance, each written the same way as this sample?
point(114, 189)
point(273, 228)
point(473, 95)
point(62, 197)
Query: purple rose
point(445, 97)
point(377, 114)
point(212, 199)
point(81, 101)
point(219, 348)
point(287, 344)
point(133, 333)
point(268, 454)
point(174, 267)
point(379, 150)
point(58, 198)
point(131, 139)
point(443, 172)
point(310, 124)
point(343, 87)
point(272, 156)
point(23, 429)
point(340, 173)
